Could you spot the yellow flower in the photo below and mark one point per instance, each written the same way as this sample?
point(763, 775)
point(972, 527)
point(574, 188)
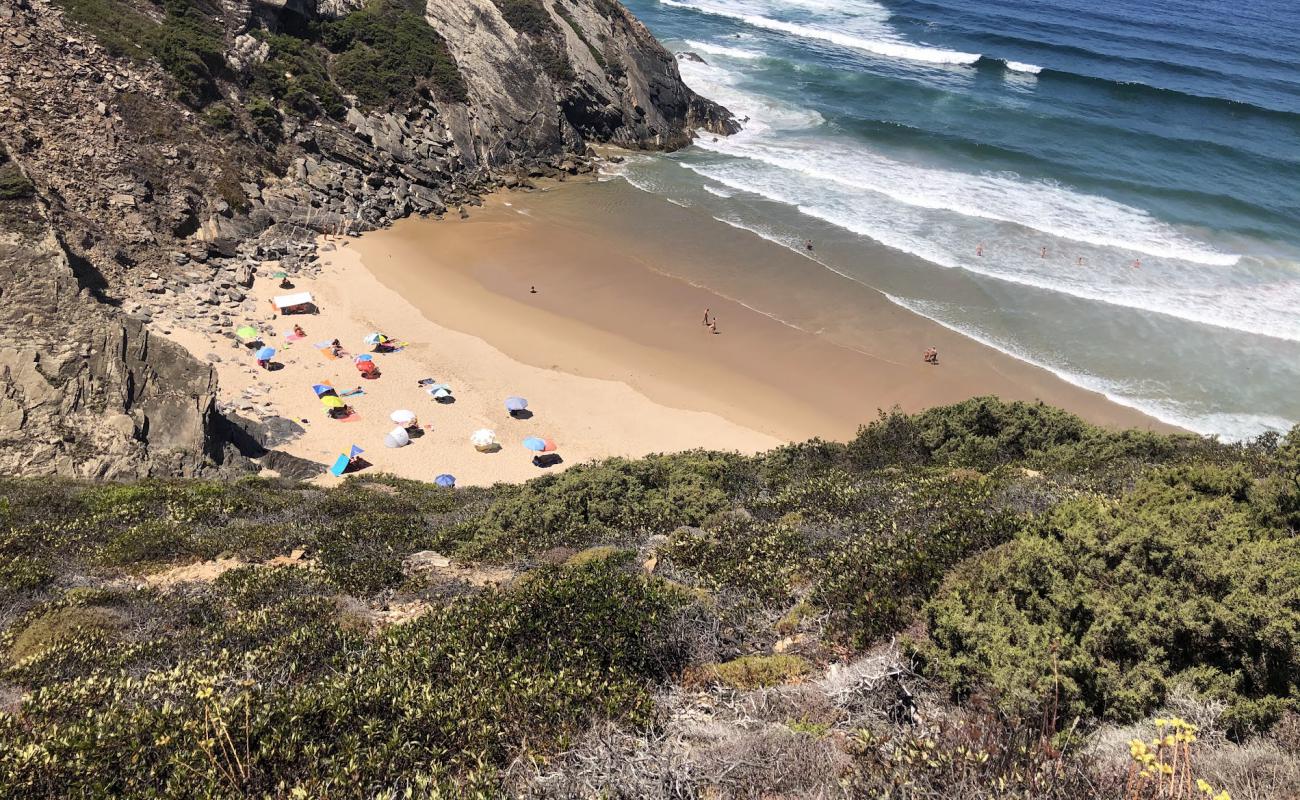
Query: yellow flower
point(1204, 786)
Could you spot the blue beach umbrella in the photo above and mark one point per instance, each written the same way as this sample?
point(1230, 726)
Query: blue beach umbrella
point(265, 354)
point(439, 391)
point(356, 451)
point(375, 338)
point(516, 404)
point(321, 389)
point(535, 444)
point(364, 357)
point(445, 480)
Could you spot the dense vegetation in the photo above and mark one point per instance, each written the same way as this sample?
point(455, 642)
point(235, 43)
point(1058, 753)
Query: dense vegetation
point(1043, 577)
point(383, 54)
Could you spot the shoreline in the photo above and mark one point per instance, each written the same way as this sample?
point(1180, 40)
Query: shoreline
point(614, 304)
point(610, 350)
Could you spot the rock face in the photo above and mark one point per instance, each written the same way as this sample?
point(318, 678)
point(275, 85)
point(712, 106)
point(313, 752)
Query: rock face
point(148, 210)
point(84, 391)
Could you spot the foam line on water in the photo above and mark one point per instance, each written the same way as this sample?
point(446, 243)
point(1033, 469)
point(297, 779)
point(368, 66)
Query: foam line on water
point(721, 50)
point(1020, 66)
point(1228, 426)
point(1188, 292)
point(887, 45)
point(1043, 206)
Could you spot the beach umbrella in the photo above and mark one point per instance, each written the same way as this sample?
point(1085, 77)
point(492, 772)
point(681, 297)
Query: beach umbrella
point(397, 437)
point(265, 354)
point(247, 333)
point(439, 390)
point(445, 480)
point(331, 401)
point(539, 445)
point(516, 404)
point(340, 466)
point(483, 437)
point(364, 357)
point(375, 338)
point(355, 451)
point(402, 417)
point(322, 389)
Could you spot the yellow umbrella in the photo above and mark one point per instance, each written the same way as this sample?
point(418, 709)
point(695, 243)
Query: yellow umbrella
point(330, 401)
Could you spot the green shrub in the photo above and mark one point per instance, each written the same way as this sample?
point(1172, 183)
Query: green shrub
point(1112, 603)
point(439, 704)
point(387, 53)
point(528, 17)
point(187, 43)
point(219, 116)
point(756, 672)
point(61, 625)
point(13, 183)
point(586, 505)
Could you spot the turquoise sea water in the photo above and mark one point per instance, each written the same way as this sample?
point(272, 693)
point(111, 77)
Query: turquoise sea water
point(1151, 151)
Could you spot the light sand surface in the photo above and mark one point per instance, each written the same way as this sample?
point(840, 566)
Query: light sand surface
point(610, 351)
point(619, 306)
point(588, 418)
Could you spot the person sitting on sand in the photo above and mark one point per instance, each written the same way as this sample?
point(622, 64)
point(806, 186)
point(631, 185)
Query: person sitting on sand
point(931, 355)
point(336, 349)
point(339, 413)
point(264, 363)
point(298, 331)
point(285, 284)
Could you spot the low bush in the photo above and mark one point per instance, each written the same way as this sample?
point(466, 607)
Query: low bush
point(1106, 605)
point(755, 672)
point(13, 183)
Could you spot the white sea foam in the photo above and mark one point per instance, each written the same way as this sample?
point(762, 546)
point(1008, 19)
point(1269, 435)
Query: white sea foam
point(720, 50)
point(1231, 427)
point(1177, 289)
point(882, 42)
point(713, 190)
point(1043, 206)
point(1019, 66)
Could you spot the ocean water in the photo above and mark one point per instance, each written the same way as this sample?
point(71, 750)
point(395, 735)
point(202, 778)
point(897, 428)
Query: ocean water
point(1108, 190)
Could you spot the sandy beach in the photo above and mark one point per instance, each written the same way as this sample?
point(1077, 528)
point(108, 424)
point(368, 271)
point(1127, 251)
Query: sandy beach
point(610, 350)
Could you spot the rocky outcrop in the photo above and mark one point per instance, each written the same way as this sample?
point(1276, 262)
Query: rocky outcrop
point(150, 211)
point(84, 391)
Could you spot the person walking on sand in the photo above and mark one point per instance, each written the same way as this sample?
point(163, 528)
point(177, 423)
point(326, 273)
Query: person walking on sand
point(706, 317)
point(713, 326)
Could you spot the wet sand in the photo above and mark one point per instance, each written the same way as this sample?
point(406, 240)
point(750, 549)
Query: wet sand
point(623, 279)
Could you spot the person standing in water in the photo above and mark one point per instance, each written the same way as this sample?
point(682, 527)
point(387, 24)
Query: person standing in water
point(1042, 253)
point(979, 249)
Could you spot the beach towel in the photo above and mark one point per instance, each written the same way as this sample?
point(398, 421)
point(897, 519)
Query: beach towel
point(293, 337)
point(353, 417)
point(340, 466)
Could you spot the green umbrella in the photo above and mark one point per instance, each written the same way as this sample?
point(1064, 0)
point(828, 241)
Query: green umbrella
point(279, 274)
point(247, 332)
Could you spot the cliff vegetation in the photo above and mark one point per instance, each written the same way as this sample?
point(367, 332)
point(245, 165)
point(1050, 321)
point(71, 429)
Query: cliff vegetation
point(984, 600)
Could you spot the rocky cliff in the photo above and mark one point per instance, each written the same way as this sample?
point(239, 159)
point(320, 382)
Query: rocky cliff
point(172, 147)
